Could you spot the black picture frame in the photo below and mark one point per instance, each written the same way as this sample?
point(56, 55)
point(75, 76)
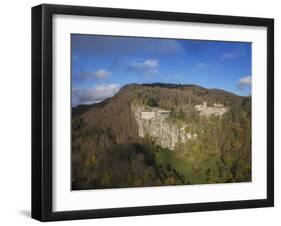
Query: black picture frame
point(42, 111)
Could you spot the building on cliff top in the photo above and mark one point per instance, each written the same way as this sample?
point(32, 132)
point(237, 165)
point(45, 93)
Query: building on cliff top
point(152, 121)
point(154, 112)
point(205, 110)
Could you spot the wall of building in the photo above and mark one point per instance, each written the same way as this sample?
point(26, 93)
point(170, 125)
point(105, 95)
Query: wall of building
point(216, 109)
point(147, 115)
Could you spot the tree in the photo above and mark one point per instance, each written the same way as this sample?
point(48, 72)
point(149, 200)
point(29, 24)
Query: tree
point(151, 102)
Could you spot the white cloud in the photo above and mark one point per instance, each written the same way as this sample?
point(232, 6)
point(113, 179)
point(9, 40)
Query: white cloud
point(201, 65)
point(94, 95)
point(229, 55)
point(244, 82)
point(235, 53)
point(168, 46)
point(100, 74)
point(149, 67)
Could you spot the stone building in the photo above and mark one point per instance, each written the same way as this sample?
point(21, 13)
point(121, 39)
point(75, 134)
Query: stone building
point(205, 110)
point(201, 107)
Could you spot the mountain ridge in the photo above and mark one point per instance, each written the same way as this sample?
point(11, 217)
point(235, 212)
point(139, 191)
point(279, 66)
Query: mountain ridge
point(82, 108)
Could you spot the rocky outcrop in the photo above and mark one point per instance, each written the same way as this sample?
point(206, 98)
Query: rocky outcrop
point(154, 122)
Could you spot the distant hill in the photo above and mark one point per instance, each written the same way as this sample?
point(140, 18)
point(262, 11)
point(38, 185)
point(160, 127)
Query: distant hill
point(105, 135)
point(165, 92)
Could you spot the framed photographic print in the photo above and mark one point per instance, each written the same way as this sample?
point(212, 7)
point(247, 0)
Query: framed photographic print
point(145, 112)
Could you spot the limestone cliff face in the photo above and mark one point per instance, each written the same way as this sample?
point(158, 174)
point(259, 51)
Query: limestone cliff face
point(153, 122)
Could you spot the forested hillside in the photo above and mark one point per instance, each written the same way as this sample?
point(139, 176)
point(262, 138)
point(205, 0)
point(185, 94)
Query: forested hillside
point(107, 151)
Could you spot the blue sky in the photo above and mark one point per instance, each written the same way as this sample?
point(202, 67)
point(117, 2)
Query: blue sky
point(101, 65)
